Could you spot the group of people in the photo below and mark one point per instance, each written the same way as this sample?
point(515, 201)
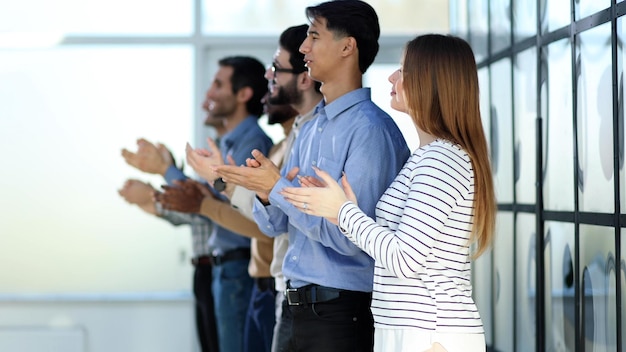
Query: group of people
point(337, 238)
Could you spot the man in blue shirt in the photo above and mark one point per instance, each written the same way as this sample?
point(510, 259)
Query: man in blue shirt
point(235, 97)
point(330, 279)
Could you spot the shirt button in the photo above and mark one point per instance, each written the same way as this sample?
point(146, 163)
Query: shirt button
point(319, 129)
point(269, 226)
point(294, 258)
point(314, 162)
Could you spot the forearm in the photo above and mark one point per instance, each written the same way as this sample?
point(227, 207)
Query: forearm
point(148, 207)
point(224, 215)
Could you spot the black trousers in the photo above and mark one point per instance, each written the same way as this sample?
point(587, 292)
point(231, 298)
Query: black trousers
point(341, 324)
point(206, 325)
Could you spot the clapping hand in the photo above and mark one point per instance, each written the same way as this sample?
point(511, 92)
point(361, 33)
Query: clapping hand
point(321, 197)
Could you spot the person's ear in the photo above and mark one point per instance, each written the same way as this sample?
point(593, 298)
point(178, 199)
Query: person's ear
point(244, 94)
point(349, 46)
point(304, 81)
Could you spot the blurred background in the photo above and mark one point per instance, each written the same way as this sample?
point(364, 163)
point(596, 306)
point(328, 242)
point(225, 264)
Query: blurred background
point(81, 270)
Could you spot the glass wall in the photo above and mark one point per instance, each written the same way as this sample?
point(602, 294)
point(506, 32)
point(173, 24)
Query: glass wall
point(553, 71)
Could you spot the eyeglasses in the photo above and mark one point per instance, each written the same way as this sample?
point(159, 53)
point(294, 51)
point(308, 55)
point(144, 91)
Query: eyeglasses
point(280, 69)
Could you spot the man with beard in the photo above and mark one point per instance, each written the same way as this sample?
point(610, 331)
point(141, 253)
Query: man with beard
point(290, 84)
point(193, 197)
point(329, 279)
point(158, 157)
point(235, 98)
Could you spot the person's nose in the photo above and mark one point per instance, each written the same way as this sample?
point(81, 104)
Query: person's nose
point(305, 47)
point(269, 73)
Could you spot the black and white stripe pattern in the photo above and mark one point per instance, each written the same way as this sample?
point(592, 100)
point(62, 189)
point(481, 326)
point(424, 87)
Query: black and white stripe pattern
point(420, 243)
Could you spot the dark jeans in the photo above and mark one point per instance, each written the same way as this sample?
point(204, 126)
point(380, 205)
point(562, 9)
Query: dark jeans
point(260, 318)
point(205, 312)
point(282, 329)
point(341, 324)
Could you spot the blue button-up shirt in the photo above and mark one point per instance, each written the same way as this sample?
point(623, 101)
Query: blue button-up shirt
point(354, 135)
point(238, 143)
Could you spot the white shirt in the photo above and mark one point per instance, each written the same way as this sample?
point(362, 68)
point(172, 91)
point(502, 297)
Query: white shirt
point(420, 243)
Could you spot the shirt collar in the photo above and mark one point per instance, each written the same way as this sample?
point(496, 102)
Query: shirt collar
point(344, 102)
point(230, 138)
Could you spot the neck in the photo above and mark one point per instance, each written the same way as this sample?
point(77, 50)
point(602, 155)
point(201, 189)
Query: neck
point(340, 85)
point(287, 125)
point(309, 100)
point(232, 121)
point(425, 138)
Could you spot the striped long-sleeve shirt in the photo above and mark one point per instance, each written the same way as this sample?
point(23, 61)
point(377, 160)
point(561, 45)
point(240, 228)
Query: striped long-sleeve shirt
point(420, 243)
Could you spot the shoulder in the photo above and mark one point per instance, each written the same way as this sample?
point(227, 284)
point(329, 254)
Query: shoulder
point(443, 157)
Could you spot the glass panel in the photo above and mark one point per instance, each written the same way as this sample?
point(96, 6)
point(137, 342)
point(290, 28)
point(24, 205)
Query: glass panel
point(525, 95)
point(595, 120)
point(485, 114)
point(525, 276)
point(585, 8)
point(500, 27)
point(66, 113)
point(556, 14)
point(503, 285)
point(501, 130)
point(621, 64)
point(478, 27)
point(98, 17)
point(597, 268)
point(254, 17)
point(459, 18)
point(525, 19)
point(560, 299)
point(556, 97)
point(482, 285)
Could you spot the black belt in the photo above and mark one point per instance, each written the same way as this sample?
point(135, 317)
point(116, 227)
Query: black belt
point(201, 260)
point(311, 294)
point(265, 283)
point(235, 254)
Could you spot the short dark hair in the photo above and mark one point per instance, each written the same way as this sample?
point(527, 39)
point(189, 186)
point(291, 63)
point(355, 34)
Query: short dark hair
point(291, 39)
point(248, 72)
point(352, 18)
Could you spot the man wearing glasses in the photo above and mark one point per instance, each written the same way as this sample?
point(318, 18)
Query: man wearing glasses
point(329, 279)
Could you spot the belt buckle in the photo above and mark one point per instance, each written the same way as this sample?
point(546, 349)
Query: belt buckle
point(293, 296)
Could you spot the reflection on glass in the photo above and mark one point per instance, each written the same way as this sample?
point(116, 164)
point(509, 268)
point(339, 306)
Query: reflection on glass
point(500, 26)
point(556, 97)
point(525, 19)
point(556, 14)
point(503, 290)
point(560, 296)
point(525, 95)
point(525, 281)
point(595, 120)
point(597, 265)
point(621, 64)
point(586, 8)
point(478, 27)
point(501, 130)
point(66, 114)
point(485, 102)
point(97, 17)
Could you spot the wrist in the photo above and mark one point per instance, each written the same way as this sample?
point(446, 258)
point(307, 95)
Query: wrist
point(163, 168)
